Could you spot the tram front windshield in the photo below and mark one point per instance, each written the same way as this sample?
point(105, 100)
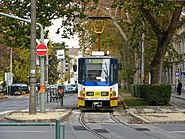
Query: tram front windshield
point(97, 70)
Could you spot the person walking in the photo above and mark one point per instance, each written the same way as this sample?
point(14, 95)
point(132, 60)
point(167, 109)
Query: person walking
point(179, 87)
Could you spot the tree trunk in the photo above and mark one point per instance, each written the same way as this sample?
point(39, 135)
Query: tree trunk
point(156, 67)
point(163, 35)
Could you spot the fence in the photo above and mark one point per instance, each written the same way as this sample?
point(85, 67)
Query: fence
point(56, 124)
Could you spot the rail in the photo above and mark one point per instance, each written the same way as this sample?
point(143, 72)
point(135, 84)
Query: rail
point(56, 124)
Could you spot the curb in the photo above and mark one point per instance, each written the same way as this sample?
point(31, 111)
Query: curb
point(138, 117)
point(124, 105)
point(67, 114)
point(145, 121)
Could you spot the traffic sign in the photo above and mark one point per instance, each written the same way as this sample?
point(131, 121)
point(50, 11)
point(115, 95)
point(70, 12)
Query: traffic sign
point(41, 50)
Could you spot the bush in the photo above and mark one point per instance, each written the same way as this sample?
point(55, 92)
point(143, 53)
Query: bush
point(158, 94)
point(132, 89)
point(137, 90)
point(153, 94)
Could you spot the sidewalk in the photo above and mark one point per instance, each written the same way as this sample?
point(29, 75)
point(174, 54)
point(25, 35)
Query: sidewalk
point(146, 114)
point(159, 114)
point(53, 110)
point(182, 96)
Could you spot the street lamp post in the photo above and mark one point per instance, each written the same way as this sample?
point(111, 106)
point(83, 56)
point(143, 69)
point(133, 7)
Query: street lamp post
point(142, 59)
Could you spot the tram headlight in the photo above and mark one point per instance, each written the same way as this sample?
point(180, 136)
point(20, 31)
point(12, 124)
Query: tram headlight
point(104, 93)
point(90, 93)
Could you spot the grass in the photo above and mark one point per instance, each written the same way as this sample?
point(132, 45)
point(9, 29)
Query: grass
point(132, 101)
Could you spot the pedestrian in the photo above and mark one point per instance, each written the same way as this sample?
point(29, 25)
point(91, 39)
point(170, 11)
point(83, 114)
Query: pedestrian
point(179, 87)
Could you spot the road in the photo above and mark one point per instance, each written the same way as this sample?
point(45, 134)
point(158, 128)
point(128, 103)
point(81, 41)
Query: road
point(14, 103)
point(99, 122)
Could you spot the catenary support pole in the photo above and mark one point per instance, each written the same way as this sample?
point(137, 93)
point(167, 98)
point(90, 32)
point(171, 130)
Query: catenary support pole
point(142, 58)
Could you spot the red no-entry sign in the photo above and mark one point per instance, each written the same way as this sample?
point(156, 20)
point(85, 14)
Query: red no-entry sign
point(41, 50)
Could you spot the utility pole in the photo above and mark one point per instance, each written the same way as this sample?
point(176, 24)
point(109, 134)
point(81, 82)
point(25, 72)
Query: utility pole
point(32, 97)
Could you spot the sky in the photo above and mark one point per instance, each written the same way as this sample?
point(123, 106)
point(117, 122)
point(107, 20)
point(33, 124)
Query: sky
point(56, 38)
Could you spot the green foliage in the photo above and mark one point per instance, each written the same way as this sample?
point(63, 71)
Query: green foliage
point(132, 90)
point(154, 94)
point(127, 73)
point(158, 94)
point(132, 101)
point(46, 11)
point(21, 65)
point(53, 72)
point(17, 34)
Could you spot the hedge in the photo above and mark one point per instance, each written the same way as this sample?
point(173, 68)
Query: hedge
point(154, 94)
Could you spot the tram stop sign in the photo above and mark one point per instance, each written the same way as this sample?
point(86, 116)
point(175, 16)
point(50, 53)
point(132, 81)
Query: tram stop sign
point(41, 50)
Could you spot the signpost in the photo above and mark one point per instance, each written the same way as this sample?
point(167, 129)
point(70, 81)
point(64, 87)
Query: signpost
point(41, 50)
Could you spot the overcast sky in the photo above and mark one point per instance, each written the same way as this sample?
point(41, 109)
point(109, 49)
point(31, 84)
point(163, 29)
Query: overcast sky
point(56, 38)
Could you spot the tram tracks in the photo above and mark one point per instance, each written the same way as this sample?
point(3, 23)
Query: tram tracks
point(83, 122)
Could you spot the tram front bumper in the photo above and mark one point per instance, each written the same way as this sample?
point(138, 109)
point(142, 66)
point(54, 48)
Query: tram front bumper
point(112, 102)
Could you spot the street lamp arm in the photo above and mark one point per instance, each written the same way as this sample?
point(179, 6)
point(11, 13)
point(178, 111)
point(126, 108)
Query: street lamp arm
point(28, 21)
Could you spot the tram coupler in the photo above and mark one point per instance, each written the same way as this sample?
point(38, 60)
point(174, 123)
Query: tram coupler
point(97, 105)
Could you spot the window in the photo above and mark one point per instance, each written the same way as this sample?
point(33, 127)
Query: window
point(81, 70)
point(97, 69)
point(114, 70)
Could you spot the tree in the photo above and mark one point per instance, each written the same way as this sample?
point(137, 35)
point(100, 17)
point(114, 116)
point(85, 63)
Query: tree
point(162, 17)
point(46, 12)
point(21, 66)
point(19, 32)
point(163, 33)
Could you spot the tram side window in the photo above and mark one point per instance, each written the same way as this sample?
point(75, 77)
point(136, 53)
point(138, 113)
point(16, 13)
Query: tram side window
point(81, 70)
point(111, 72)
point(114, 71)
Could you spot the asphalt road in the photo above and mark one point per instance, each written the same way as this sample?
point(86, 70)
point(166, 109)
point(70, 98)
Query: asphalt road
point(111, 131)
point(73, 130)
point(14, 103)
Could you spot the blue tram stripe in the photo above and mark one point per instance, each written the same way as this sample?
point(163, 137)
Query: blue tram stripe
point(98, 83)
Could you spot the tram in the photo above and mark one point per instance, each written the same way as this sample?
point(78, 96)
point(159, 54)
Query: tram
point(98, 81)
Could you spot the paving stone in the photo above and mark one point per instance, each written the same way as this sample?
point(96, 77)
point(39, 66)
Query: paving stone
point(148, 110)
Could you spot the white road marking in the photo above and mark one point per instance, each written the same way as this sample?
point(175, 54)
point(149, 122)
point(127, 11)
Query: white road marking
point(4, 112)
point(179, 131)
point(21, 131)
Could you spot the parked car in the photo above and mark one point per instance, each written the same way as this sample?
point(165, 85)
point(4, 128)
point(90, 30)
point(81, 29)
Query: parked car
point(18, 89)
point(69, 88)
point(54, 86)
point(75, 88)
point(4, 91)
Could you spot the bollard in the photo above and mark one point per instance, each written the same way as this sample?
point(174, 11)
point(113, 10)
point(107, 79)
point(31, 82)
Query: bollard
point(57, 128)
point(37, 98)
point(47, 94)
point(61, 101)
point(63, 132)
